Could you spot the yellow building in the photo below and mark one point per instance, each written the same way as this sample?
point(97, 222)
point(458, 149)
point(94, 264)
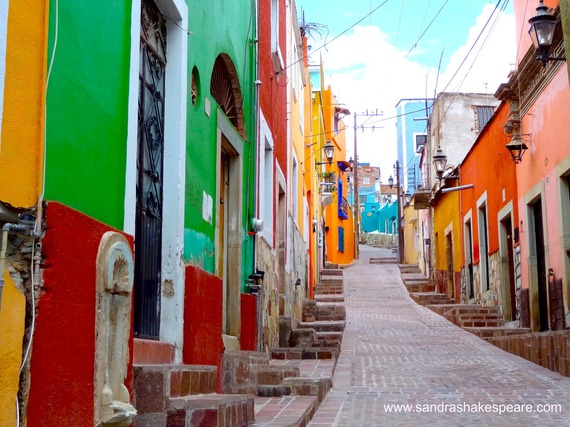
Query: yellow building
point(22, 87)
point(411, 234)
point(332, 231)
point(447, 244)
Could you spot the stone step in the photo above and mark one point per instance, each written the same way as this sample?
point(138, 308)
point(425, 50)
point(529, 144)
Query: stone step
point(325, 325)
point(491, 332)
point(481, 323)
point(332, 272)
point(483, 316)
point(393, 260)
point(331, 311)
point(413, 276)
point(475, 309)
point(442, 309)
point(327, 298)
point(298, 353)
point(329, 289)
point(238, 369)
point(272, 375)
point(409, 267)
point(207, 411)
point(420, 287)
point(284, 411)
point(304, 386)
point(431, 298)
point(172, 381)
point(273, 390)
point(302, 337)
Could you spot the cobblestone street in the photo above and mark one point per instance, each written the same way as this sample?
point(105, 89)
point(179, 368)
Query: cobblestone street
point(397, 352)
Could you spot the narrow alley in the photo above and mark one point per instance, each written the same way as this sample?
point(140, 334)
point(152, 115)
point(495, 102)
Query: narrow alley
point(395, 352)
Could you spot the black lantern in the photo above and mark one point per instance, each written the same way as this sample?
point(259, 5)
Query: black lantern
point(390, 181)
point(517, 148)
point(329, 151)
point(541, 32)
point(407, 198)
point(439, 162)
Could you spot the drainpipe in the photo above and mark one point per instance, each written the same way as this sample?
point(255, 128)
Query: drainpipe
point(9, 228)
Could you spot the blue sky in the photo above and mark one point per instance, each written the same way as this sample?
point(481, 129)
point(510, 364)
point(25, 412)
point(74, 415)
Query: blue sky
point(371, 67)
point(403, 21)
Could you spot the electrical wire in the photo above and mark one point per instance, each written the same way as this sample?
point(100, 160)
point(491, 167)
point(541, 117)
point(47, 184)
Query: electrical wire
point(341, 34)
point(427, 28)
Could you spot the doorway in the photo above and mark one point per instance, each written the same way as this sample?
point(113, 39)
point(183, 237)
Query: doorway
point(150, 174)
point(540, 265)
point(507, 255)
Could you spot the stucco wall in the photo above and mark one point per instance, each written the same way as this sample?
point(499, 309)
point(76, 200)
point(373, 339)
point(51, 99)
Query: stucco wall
point(21, 145)
point(63, 355)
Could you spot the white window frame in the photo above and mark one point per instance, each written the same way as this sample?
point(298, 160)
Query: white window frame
point(266, 184)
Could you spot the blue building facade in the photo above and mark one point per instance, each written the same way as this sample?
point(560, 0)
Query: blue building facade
point(411, 133)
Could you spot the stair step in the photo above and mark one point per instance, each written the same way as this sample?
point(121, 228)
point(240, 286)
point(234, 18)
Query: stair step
point(331, 311)
point(273, 390)
point(284, 411)
point(419, 287)
point(272, 375)
point(324, 325)
point(325, 298)
point(482, 316)
point(493, 332)
point(209, 410)
point(304, 386)
point(383, 260)
point(297, 353)
point(331, 272)
point(155, 384)
point(481, 323)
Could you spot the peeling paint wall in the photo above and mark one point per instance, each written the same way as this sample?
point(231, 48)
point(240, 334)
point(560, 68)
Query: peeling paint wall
point(22, 75)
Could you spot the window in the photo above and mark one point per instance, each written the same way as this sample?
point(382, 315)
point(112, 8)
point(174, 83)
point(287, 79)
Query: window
point(366, 180)
point(421, 139)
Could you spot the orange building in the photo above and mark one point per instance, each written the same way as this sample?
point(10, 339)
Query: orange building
point(489, 220)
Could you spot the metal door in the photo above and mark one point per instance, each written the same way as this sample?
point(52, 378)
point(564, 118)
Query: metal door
point(148, 227)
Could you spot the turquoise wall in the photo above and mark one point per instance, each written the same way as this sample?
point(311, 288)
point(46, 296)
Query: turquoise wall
point(217, 27)
point(87, 107)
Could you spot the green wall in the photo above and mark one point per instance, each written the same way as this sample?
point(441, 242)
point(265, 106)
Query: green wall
point(217, 26)
point(87, 107)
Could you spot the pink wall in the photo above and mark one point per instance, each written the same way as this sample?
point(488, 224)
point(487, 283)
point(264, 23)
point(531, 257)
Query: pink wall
point(63, 357)
point(549, 144)
point(524, 10)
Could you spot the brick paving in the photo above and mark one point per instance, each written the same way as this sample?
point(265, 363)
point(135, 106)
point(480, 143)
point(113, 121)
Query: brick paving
point(397, 352)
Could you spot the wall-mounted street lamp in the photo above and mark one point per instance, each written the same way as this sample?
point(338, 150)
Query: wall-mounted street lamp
point(517, 148)
point(541, 32)
point(391, 181)
point(329, 153)
point(439, 163)
point(407, 198)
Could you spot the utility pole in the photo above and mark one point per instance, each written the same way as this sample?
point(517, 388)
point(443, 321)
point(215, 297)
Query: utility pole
point(356, 207)
point(356, 213)
point(399, 206)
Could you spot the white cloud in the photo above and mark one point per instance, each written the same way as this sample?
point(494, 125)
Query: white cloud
point(366, 72)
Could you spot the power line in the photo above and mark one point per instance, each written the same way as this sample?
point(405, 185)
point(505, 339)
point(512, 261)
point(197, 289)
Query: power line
point(342, 33)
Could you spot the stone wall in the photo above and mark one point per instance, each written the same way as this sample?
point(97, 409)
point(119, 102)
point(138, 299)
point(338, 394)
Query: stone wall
point(296, 285)
point(269, 322)
point(550, 350)
point(387, 240)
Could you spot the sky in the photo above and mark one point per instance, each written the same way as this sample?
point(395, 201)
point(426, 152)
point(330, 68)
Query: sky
point(395, 53)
